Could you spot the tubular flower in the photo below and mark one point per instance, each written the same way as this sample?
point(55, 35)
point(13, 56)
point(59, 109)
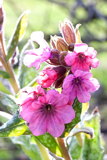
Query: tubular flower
point(82, 58)
point(47, 77)
point(35, 57)
point(80, 85)
point(47, 113)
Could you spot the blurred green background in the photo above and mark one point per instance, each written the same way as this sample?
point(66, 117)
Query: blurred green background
point(45, 15)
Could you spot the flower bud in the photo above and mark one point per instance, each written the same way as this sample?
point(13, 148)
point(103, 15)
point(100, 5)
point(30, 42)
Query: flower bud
point(47, 77)
point(71, 47)
point(59, 43)
point(54, 58)
point(67, 31)
point(52, 42)
point(61, 58)
point(61, 73)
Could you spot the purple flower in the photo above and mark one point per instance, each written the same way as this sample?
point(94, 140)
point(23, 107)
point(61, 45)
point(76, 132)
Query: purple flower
point(35, 57)
point(47, 113)
point(82, 58)
point(80, 85)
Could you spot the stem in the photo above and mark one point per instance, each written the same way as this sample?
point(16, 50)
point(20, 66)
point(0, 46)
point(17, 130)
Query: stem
point(43, 151)
point(7, 65)
point(63, 148)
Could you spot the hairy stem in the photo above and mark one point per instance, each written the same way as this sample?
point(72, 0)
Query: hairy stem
point(7, 65)
point(63, 148)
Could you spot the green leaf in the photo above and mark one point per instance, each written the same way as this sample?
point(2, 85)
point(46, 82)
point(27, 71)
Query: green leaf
point(18, 34)
point(74, 148)
point(7, 103)
point(4, 89)
point(92, 148)
point(13, 127)
point(4, 74)
point(49, 142)
point(30, 148)
point(78, 108)
point(4, 117)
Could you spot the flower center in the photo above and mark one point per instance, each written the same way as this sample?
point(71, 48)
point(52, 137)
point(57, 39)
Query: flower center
point(48, 107)
point(77, 81)
point(81, 56)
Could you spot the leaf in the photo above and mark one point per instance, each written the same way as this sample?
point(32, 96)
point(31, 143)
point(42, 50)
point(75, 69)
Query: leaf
point(4, 89)
point(49, 142)
point(4, 74)
point(92, 148)
point(7, 103)
point(13, 127)
point(30, 148)
point(18, 34)
point(78, 108)
point(4, 116)
point(74, 148)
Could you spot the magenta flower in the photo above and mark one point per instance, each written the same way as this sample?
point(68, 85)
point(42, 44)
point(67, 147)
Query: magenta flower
point(35, 57)
point(47, 77)
point(47, 113)
point(82, 58)
point(80, 85)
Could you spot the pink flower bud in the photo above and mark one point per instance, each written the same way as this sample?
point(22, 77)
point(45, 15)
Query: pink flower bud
point(59, 43)
point(68, 32)
point(47, 77)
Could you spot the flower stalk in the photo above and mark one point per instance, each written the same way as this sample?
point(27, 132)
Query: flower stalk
point(63, 149)
point(7, 65)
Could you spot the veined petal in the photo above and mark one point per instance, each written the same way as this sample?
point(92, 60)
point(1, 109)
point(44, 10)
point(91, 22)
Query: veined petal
point(55, 126)
point(66, 113)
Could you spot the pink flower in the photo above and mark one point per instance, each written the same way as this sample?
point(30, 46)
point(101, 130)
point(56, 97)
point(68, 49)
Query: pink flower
point(35, 57)
point(82, 58)
point(47, 77)
point(80, 85)
point(47, 113)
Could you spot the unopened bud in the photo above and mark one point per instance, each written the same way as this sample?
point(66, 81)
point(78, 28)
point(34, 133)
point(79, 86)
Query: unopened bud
point(62, 57)
point(52, 42)
point(68, 32)
point(61, 73)
point(71, 47)
point(54, 58)
point(59, 43)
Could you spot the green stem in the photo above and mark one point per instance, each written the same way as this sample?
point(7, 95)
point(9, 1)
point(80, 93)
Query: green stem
point(43, 151)
point(7, 65)
point(63, 149)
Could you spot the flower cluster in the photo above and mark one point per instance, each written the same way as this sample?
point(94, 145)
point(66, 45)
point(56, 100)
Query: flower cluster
point(69, 65)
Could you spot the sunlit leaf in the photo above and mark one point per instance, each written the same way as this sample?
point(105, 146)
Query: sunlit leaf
point(49, 142)
point(92, 148)
point(13, 127)
point(78, 108)
point(18, 34)
point(4, 74)
point(75, 148)
point(30, 148)
point(7, 103)
point(4, 89)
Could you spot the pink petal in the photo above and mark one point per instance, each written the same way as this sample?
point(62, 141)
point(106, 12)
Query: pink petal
point(66, 113)
point(55, 126)
point(38, 124)
point(95, 63)
point(38, 37)
point(70, 58)
point(83, 96)
point(81, 47)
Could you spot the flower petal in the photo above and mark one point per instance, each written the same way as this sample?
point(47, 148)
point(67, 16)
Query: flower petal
point(55, 125)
